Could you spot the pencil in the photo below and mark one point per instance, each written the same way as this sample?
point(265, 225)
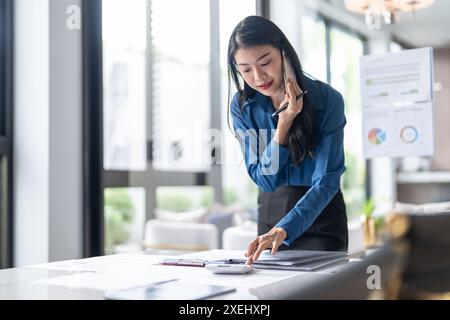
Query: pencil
point(284, 106)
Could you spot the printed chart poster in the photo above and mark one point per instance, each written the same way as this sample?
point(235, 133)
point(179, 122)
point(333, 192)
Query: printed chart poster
point(397, 77)
point(397, 102)
point(399, 132)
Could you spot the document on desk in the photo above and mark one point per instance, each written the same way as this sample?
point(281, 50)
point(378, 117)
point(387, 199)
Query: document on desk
point(250, 280)
point(305, 266)
point(170, 290)
point(199, 259)
point(115, 272)
point(294, 257)
point(300, 260)
point(99, 281)
point(101, 263)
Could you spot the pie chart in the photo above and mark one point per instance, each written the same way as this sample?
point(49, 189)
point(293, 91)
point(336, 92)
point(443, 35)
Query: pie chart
point(377, 136)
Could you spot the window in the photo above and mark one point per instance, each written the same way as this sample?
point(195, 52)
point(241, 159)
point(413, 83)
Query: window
point(314, 55)
point(124, 213)
point(237, 185)
point(182, 199)
point(346, 49)
point(160, 95)
point(6, 54)
point(124, 85)
point(181, 84)
point(331, 54)
point(124, 123)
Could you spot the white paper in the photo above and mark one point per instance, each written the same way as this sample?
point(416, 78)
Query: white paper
point(102, 263)
point(397, 100)
point(82, 265)
point(399, 131)
point(397, 77)
point(122, 276)
point(99, 281)
point(254, 279)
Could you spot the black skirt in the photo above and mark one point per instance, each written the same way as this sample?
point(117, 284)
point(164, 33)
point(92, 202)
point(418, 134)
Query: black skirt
point(328, 232)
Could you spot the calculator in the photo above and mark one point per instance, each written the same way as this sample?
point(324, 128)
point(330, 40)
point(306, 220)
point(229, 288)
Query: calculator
point(228, 268)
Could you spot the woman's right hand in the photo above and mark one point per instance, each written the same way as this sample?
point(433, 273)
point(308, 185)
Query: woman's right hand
point(286, 118)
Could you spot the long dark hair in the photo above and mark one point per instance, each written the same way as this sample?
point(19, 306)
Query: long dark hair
point(258, 31)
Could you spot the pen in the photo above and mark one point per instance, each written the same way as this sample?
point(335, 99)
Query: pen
point(184, 262)
point(284, 106)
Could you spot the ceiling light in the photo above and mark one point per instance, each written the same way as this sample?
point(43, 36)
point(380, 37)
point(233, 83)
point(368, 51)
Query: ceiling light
point(378, 12)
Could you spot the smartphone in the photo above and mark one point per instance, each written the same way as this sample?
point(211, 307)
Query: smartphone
point(288, 70)
point(228, 268)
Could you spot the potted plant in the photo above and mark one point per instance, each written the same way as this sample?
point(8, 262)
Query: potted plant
point(371, 225)
point(368, 223)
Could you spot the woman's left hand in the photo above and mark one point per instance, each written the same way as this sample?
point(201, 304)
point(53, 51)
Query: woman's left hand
point(272, 239)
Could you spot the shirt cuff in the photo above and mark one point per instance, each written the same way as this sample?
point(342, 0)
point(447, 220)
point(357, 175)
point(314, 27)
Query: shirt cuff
point(285, 226)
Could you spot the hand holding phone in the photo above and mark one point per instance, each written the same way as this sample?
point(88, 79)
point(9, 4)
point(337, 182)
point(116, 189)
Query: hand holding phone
point(288, 74)
point(288, 70)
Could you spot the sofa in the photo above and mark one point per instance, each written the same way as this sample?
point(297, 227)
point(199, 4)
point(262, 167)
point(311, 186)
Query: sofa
point(172, 235)
point(196, 230)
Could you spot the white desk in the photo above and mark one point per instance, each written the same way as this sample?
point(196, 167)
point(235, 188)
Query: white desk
point(86, 278)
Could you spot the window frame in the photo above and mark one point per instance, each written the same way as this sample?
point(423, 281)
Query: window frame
point(92, 128)
point(6, 137)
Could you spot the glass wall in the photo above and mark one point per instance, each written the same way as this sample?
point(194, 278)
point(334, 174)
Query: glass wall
point(340, 68)
point(124, 84)
point(346, 49)
point(313, 54)
point(180, 83)
point(124, 25)
point(237, 185)
point(184, 199)
point(124, 210)
point(158, 88)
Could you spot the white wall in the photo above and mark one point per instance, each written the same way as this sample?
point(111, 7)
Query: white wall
point(65, 174)
point(47, 134)
point(31, 131)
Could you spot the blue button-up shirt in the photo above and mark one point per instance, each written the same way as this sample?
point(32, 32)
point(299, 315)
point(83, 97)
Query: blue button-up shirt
point(269, 164)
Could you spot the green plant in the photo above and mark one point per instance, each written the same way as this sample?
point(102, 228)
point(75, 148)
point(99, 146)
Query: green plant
point(229, 197)
point(368, 208)
point(379, 223)
point(119, 213)
point(207, 197)
point(173, 199)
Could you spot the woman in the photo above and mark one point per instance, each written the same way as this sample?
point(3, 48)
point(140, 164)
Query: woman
point(296, 157)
